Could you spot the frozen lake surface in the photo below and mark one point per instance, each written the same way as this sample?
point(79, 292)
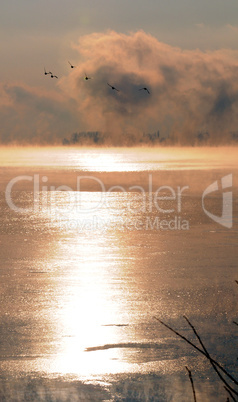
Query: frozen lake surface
point(97, 243)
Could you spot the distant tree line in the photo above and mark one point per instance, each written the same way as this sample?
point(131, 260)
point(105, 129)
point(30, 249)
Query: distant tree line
point(153, 137)
point(202, 137)
point(96, 137)
point(84, 138)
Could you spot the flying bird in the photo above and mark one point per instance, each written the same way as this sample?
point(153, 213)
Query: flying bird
point(113, 87)
point(46, 72)
point(87, 78)
point(71, 65)
point(145, 89)
point(53, 76)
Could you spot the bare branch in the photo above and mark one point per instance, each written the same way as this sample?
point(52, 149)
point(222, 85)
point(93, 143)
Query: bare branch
point(201, 351)
point(229, 392)
point(210, 359)
point(192, 384)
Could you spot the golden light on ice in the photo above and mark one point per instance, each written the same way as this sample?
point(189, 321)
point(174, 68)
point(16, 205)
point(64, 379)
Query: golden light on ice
point(87, 313)
point(119, 159)
point(85, 306)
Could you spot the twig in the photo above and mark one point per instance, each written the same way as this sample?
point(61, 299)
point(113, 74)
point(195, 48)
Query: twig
point(199, 350)
point(234, 322)
point(229, 392)
point(209, 357)
point(192, 384)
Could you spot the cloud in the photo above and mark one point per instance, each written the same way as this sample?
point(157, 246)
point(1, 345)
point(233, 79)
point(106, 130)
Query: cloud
point(200, 25)
point(233, 28)
point(30, 115)
point(190, 91)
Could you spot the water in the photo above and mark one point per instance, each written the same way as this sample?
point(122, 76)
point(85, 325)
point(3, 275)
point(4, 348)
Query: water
point(85, 273)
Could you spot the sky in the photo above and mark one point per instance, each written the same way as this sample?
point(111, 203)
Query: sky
point(184, 51)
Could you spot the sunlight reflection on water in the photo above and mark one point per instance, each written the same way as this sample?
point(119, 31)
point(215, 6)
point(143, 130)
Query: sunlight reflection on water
point(81, 284)
point(120, 159)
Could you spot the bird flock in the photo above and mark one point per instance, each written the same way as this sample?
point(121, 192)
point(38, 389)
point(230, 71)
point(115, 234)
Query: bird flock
point(89, 78)
point(51, 74)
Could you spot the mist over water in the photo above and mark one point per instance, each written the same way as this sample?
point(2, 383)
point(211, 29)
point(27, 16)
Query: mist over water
point(85, 270)
point(125, 167)
point(193, 95)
